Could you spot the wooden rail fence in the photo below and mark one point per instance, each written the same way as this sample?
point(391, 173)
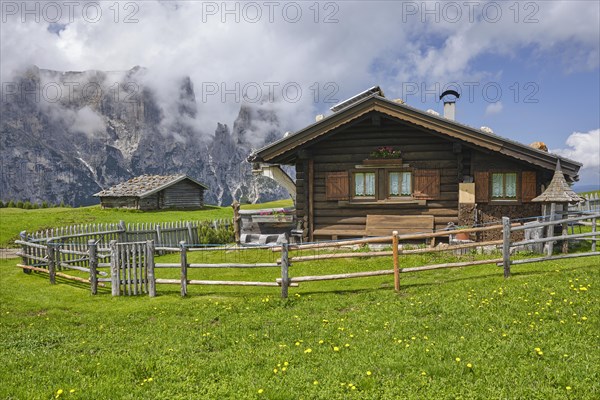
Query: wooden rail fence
point(590, 205)
point(73, 240)
point(132, 266)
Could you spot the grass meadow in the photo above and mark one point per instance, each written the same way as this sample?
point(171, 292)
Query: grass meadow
point(463, 333)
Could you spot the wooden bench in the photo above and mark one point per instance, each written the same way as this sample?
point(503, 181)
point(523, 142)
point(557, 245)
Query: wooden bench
point(335, 234)
point(380, 225)
point(384, 225)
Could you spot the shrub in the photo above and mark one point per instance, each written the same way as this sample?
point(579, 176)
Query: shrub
point(1, 204)
point(27, 205)
point(62, 203)
point(44, 204)
point(207, 234)
point(11, 204)
point(19, 204)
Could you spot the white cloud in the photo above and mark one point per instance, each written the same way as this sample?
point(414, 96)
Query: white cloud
point(494, 108)
point(87, 121)
point(379, 43)
point(584, 147)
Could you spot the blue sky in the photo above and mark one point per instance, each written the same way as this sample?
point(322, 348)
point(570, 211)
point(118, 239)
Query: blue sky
point(547, 50)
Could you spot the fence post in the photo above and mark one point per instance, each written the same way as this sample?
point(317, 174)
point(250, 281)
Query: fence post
point(506, 246)
point(594, 238)
point(395, 258)
point(550, 231)
point(285, 263)
point(183, 253)
point(93, 265)
point(236, 221)
point(115, 281)
point(24, 250)
point(51, 261)
point(150, 266)
point(123, 233)
point(190, 232)
point(565, 228)
point(158, 235)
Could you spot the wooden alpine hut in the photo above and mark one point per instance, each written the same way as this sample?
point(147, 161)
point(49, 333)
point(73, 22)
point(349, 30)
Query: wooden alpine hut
point(155, 192)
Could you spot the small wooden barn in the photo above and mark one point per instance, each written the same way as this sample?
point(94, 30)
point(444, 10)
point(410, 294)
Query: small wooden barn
point(376, 165)
point(155, 192)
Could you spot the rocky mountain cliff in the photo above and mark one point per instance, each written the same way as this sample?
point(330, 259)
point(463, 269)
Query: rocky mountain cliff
point(66, 135)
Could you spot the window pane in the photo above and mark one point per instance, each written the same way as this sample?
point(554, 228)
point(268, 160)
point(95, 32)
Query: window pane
point(510, 183)
point(406, 184)
point(394, 183)
point(359, 184)
point(497, 187)
point(370, 184)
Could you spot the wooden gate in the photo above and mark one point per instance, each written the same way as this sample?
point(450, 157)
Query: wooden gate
point(129, 268)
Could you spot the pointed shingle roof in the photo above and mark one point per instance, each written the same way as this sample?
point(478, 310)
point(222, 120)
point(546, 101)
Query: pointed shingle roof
point(558, 190)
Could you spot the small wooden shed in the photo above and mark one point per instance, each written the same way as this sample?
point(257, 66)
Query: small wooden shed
point(155, 192)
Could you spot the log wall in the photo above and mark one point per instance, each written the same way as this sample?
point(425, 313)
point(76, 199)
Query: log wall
point(183, 194)
point(343, 151)
point(347, 147)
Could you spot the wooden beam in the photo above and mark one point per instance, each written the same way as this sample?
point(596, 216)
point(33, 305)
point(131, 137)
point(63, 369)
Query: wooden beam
point(540, 259)
point(223, 283)
point(340, 276)
point(311, 195)
point(59, 274)
point(396, 263)
point(452, 265)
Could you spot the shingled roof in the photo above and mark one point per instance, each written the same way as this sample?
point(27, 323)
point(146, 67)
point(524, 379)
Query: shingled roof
point(144, 185)
point(558, 190)
point(285, 150)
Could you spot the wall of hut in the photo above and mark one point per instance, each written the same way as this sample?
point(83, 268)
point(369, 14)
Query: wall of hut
point(347, 147)
point(183, 194)
point(119, 202)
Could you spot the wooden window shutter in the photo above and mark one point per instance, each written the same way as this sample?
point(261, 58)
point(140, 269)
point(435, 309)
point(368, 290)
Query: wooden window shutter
point(336, 186)
point(427, 184)
point(528, 185)
point(482, 187)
